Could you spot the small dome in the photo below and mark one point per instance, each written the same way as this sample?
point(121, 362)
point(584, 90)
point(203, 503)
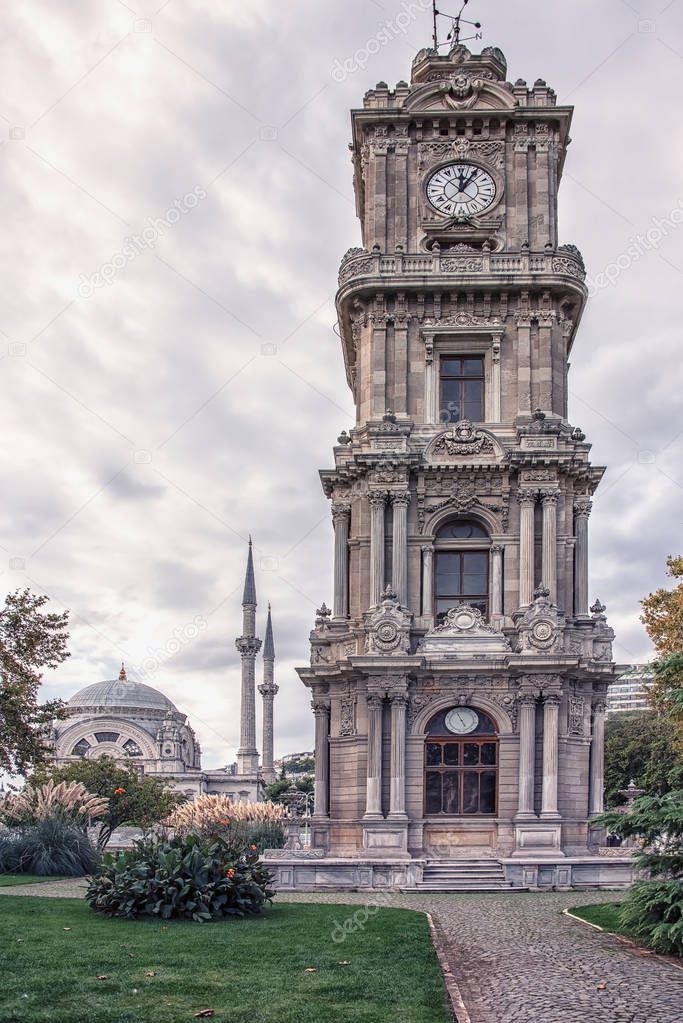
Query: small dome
point(121, 694)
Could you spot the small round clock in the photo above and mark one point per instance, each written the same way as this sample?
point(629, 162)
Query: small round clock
point(461, 190)
point(462, 720)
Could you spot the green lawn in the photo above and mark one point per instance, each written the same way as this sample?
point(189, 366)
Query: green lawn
point(248, 971)
point(9, 880)
point(604, 914)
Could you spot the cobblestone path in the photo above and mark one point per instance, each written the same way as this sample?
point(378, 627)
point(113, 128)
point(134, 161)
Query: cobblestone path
point(516, 958)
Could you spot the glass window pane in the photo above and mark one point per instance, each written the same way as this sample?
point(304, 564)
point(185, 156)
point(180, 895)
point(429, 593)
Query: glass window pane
point(473, 367)
point(433, 792)
point(481, 604)
point(448, 573)
point(106, 736)
point(433, 754)
point(463, 529)
point(442, 609)
point(474, 572)
point(450, 792)
point(488, 753)
point(449, 411)
point(470, 792)
point(471, 754)
point(487, 799)
point(450, 754)
point(451, 367)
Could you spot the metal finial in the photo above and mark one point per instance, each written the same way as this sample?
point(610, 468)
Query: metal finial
point(457, 21)
point(122, 674)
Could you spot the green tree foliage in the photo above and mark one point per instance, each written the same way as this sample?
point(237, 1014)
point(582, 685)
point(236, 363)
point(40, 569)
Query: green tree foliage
point(663, 612)
point(135, 800)
point(640, 745)
point(653, 910)
point(30, 640)
point(52, 846)
point(277, 789)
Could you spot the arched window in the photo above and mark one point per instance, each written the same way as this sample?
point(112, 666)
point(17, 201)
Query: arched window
point(461, 574)
point(132, 749)
point(461, 764)
point(81, 748)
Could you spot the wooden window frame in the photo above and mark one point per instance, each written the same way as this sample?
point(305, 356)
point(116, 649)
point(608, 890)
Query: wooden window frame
point(460, 769)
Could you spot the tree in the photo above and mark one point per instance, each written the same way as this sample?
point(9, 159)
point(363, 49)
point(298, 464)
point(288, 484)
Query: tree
point(276, 789)
point(135, 799)
point(640, 745)
point(663, 618)
point(30, 640)
point(663, 612)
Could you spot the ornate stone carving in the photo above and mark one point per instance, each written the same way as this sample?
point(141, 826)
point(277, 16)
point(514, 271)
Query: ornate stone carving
point(566, 265)
point(463, 619)
point(464, 629)
point(575, 715)
point(539, 625)
point(462, 438)
point(492, 153)
point(461, 264)
point(347, 712)
point(388, 627)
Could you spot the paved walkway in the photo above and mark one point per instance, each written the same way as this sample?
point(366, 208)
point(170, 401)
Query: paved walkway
point(516, 958)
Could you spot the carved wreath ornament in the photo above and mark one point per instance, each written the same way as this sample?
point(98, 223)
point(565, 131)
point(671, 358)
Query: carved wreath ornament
point(462, 439)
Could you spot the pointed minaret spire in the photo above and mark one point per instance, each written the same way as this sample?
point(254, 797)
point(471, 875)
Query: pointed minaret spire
point(249, 596)
point(248, 645)
point(268, 691)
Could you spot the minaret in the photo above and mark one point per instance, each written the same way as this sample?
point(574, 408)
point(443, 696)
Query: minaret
point(248, 645)
point(268, 691)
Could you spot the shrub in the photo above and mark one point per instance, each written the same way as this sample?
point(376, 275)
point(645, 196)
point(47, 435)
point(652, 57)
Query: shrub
point(185, 877)
point(69, 801)
point(206, 812)
point(263, 836)
point(653, 914)
point(49, 846)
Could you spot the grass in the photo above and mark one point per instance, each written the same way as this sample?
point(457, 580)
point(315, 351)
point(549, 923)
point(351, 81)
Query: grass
point(9, 880)
point(248, 971)
point(604, 914)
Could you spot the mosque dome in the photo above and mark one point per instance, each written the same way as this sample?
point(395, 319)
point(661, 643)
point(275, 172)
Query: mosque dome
point(120, 694)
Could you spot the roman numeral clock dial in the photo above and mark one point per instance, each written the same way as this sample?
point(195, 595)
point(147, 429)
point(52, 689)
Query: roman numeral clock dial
point(461, 190)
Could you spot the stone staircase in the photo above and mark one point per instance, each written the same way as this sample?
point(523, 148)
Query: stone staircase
point(475, 875)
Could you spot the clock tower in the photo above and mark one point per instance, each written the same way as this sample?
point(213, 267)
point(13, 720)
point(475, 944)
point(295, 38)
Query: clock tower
point(458, 681)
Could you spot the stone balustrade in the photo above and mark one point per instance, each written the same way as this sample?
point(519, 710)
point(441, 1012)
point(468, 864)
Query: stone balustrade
point(362, 263)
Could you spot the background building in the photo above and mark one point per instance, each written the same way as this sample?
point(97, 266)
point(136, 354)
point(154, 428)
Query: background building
point(629, 690)
point(136, 724)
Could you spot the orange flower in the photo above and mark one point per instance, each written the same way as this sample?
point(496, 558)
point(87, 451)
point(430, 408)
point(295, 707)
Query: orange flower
point(225, 823)
point(119, 791)
point(231, 873)
point(253, 848)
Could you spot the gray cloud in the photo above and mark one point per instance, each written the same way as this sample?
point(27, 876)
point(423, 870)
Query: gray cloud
point(167, 359)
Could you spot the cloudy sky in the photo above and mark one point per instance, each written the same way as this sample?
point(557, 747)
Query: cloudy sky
point(162, 399)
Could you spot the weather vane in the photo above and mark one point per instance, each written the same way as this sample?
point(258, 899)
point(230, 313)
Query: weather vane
point(457, 22)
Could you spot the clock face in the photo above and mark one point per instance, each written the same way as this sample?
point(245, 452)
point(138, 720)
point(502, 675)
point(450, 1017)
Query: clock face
point(461, 190)
point(462, 720)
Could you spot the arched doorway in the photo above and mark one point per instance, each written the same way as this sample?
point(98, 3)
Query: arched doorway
point(461, 764)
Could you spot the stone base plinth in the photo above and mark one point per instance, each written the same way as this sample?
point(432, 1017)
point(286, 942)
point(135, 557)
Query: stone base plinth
point(538, 838)
point(385, 838)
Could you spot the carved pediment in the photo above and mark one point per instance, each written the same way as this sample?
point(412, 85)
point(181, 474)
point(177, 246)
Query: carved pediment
point(460, 92)
point(464, 632)
point(462, 440)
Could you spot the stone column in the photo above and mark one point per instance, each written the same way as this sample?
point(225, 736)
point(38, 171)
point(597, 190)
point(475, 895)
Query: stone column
point(495, 381)
point(341, 517)
point(527, 743)
point(549, 549)
point(321, 711)
point(551, 712)
point(597, 762)
point(527, 502)
point(400, 544)
point(397, 806)
point(373, 806)
point(497, 581)
point(430, 415)
point(427, 580)
point(377, 503)
point(582, 509)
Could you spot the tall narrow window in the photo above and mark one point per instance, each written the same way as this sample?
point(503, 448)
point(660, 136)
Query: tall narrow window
point(461, 772)
point(461, 389)
point(462, 568)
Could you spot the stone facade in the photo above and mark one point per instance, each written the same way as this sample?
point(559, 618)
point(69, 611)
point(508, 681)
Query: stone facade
point(416, 482)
